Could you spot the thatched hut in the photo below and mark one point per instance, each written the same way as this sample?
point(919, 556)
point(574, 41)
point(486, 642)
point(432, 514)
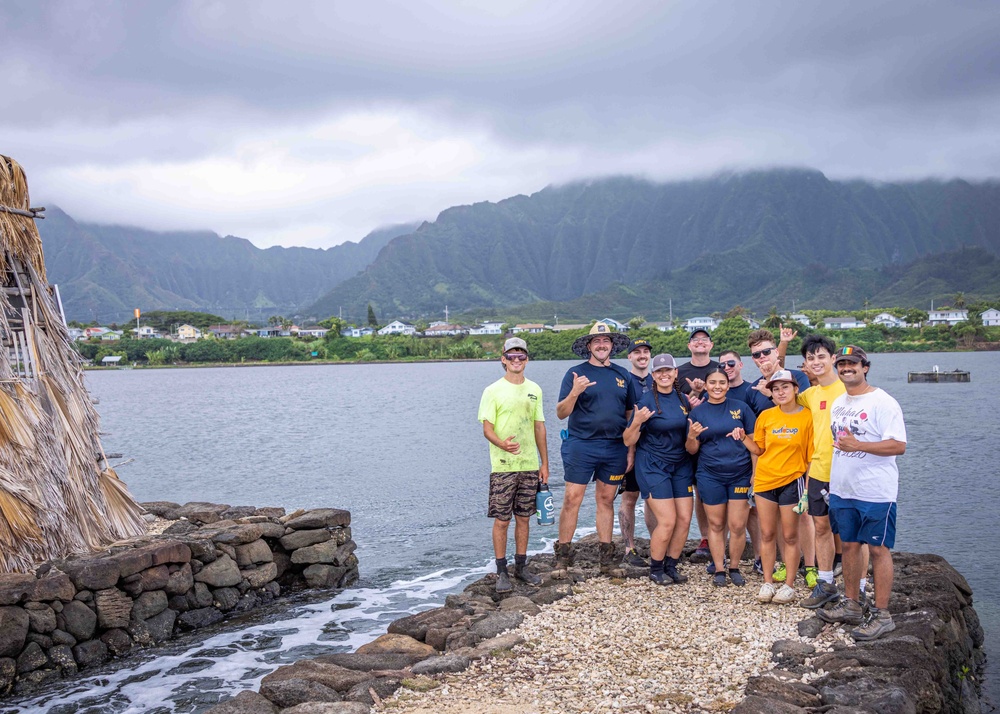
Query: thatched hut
point(58, 494)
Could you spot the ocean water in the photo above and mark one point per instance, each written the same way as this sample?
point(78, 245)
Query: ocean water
point(399, 446)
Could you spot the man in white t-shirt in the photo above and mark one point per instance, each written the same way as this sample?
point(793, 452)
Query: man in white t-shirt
point(869, 434)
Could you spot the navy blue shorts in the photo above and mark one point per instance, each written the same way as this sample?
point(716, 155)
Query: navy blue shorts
point(659, 479)
point(787, 495)
point(862, 521)
point(587, 459)
point(714, 490)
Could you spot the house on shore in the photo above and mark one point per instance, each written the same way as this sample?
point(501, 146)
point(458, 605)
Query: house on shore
point(661, 326)
point(225, 332)
point(569, 326)
point(991, 317)
point(887, 319)
point(444, 330)
point(487, 328)
point(842, 323)
point(950, 316)
point(146, 332)
point(357, 332)
point(614, 324)
point(700, 323)
point(188, 332)
point(529, 327)
point(398, 327)
point(312, 331)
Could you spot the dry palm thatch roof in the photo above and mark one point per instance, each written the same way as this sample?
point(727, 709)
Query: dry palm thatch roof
point(58, 494)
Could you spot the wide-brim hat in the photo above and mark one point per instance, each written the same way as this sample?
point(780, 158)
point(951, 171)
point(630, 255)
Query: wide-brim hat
point(581, 346)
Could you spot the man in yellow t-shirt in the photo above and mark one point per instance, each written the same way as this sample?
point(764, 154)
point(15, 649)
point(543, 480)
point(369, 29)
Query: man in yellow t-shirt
point(511, 413)
point(818, 352)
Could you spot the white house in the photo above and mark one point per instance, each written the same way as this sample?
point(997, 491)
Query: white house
point(801, 319)
point(991, 317)
point(145, 332)
point(754, 325)
point(887, 319)
point(951, 316)
point(398, 328)
point(357, 331)
point(842, 323)
point(487, 328)
point(567, 326)
point(529, 327)
point(661, 326)
point(75, 333)
point(312, 331)
point(444, 329)
point(700, 323)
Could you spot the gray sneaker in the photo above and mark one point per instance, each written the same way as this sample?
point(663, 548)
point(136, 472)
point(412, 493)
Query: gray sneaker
point(823, 593)
point(846, 611)
point(503, 584)
point(877, 623)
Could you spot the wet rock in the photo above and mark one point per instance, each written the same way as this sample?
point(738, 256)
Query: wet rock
point(442, 664)
point(496, 623)
point(149, 604)
point(32, 680)
point(154, 578)
point(397, 643)
point(90, 653)
point(179, 581)
point(283, 562)
point(117, 641)
point(62, 657)
point(370, 662)
point(322, 576)
point(8, 670)
point(416, 626)
point(222, 572)
point(194, 619)
point(253, 554)
point(41, 617)
point(320, 518)
point(200, 596)
point(248, 602)
point(160, 627)
point(226, 598)
point(14, 623)
point(333, 676)
point(80, 621)
point(257, 577)
point(301, 539)
point(113, 608)
point(244, 703)
point(289, 692)
point(31, 658)
point(328, 552)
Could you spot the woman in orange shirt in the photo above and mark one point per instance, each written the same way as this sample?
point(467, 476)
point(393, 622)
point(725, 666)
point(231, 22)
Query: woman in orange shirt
point(783, 442)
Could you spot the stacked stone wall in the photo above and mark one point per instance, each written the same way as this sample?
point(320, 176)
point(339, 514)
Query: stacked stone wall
point(214, 561)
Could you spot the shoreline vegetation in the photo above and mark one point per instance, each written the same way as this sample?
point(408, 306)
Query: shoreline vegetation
point(337, 349)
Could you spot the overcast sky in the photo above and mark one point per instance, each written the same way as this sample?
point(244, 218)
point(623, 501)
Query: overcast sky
point(313, 123)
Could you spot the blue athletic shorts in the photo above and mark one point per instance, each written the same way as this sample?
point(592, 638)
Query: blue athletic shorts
point(587, 459)
point(714, 490)
point(659, 479)
point(862, 521)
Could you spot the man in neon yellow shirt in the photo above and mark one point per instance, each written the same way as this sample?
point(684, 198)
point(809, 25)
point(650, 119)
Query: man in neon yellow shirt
point(511, 413)
point(818, 352)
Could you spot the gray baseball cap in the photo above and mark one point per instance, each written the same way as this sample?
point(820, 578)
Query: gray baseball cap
point(515, 343)
point(663, 362)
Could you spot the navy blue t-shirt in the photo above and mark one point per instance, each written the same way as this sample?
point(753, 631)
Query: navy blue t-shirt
point(751, 397)
point(642, 384)
point(663, 435)
point(600, 410)
point(719, 454)
point(800, 377)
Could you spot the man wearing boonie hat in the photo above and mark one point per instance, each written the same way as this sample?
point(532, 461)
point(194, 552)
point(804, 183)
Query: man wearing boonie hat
point(511, 413)
point(639, 355)
point(597, 397)
point(869, 433)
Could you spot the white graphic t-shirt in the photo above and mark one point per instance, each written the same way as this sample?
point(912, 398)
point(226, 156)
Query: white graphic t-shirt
point(874, 416)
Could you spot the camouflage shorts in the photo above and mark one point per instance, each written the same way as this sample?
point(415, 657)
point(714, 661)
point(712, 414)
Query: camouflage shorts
point(512, 493)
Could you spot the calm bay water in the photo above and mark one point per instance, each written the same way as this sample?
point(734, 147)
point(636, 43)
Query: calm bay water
point(399, 446)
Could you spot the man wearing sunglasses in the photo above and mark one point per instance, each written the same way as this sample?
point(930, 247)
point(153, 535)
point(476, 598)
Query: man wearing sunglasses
point(764, 352)
point(739, 388)
point(511, 413)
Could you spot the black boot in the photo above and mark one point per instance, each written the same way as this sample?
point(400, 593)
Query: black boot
point(671, 570)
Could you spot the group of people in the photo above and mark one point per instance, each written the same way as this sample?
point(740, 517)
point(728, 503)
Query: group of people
point(801, 459)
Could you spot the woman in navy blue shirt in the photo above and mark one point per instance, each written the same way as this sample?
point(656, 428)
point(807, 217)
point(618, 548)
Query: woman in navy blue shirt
point(663, 468)
point(725, 467)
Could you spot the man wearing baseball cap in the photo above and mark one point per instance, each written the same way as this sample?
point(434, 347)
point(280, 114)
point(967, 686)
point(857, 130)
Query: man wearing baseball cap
point(511, 413)
point(597, 397)
point(869, 433)
point(639, 355)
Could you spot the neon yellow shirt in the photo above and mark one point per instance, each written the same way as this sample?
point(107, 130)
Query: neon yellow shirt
point(819, 401)
point(513, 409)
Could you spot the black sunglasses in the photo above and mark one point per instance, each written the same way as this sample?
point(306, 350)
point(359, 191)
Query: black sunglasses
point(727, 363)
point(762, 353)
point(516, 356)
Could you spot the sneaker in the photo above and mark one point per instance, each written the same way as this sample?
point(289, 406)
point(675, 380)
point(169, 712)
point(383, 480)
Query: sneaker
point(876, 623)
point(702, 552)
point(719, 580)
point(823, 593)
point(847, 611)
point(661, 579)
point(838, 568)
point(503, 584)
point(526, 576)
point(758, 568)
point(784, 595)
point(737, 578)
point(812, 576)
point(633, 558)
point(865, 602)
point(779, 573)
point(767, 591)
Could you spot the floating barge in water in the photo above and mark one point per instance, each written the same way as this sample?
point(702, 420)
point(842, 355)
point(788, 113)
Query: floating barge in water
point(935, 375)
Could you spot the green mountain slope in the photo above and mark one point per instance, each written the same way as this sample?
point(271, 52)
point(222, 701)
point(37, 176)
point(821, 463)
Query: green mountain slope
point(719, 240)
point(104, 272)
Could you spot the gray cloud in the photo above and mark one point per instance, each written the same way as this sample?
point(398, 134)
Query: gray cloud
point(315, 122)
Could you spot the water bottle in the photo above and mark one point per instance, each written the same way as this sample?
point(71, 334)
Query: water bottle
point(826, 495)
point(544, 510)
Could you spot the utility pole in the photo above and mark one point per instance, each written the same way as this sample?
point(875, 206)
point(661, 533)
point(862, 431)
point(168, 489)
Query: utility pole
point(446, 313)
point(671, 302)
